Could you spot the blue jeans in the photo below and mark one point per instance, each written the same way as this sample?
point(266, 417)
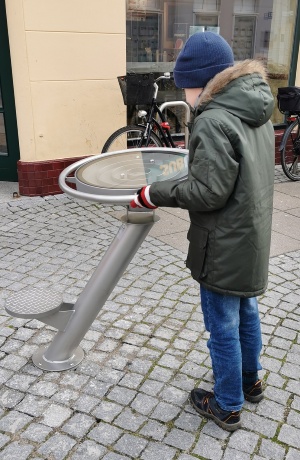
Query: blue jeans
point(234, 344)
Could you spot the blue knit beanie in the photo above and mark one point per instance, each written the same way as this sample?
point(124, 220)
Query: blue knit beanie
point(203, 56)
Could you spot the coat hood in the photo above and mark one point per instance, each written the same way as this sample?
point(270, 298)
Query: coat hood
point(241, 90)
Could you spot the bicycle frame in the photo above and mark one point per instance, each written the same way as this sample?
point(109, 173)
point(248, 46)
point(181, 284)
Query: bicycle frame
point(152, 129)
point(285, 134)
point(152, 122)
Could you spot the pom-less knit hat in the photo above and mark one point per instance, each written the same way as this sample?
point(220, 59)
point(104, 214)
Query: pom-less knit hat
point(203, 56)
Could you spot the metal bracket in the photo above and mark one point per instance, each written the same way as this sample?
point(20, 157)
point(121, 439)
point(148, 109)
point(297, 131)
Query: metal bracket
point(187, 116)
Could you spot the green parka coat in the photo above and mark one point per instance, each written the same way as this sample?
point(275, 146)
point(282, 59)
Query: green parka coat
point(229, 190)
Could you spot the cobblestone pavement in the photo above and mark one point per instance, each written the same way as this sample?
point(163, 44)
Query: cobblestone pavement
point(128, 399)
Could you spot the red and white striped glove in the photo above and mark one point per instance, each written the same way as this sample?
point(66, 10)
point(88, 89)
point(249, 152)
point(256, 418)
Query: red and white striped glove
point(142, 199)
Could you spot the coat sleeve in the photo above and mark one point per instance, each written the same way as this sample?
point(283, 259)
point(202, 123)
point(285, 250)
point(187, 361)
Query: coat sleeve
point(212, 174)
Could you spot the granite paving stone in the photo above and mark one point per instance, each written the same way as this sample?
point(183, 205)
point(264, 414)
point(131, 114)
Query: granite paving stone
point(271, 409)
point(209, 448)
point(289, 435)
point(85, 403)
point(129, 420)
point(121, 395)
point(293, 419)
point(17, 450)
point(165, 412)
point(78, 425)
point(296, 403)
point(13, 421)
point(244, 441)
point(258, 424)
point(131, 445)
point(180, 439)
point(20, 382)
point(105, 434)
point(88, 450)
point(57, 447)
point(107, 411)
point(33, 405)
point(96, 388)
point(65, 396)
point(3, 440)
point(188, 422)
point(36, 432)
point(114, 456)
point(233, 454)
point(270, 449)
point(292, 454)
point(145, 351)
point(41, 388)
point(144, 404)
point(10, 398)
point(158, 450)
point(55, 415)
point(154, 429)
point(174, 395)
point(212, 429)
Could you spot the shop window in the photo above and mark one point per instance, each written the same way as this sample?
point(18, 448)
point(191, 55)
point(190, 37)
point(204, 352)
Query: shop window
point(206, 5)
point(243, 38)
point(205, 22)
point(245, 6)
point(143, 38)
point(256, 29)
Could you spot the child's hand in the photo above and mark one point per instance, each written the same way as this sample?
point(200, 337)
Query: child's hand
point(142, 199)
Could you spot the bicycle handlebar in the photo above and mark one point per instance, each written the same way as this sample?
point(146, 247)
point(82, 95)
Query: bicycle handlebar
point(165, 76)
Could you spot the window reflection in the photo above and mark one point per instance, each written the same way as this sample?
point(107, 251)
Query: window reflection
point(259, 29)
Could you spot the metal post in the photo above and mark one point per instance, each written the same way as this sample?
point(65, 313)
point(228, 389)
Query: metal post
point(187, 116)
point(64, 351)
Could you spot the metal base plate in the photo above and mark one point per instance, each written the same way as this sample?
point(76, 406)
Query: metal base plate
point(40, 361)
point(33, 303)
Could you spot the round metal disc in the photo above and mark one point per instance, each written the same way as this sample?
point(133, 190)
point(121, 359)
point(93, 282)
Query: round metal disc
point(33, 303)
point(42, 363)
point(125, 172)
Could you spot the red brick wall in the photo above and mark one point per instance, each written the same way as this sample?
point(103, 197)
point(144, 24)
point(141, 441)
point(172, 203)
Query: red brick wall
point(40, 178)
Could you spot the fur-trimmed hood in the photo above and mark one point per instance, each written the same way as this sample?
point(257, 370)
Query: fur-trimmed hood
point(241, 90)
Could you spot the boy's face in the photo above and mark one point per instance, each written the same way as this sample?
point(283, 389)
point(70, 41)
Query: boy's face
point(191, 95)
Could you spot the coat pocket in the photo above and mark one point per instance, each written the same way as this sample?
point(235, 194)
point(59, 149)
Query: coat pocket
point(198, 237)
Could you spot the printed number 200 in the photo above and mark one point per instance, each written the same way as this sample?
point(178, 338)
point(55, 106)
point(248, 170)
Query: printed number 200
point(173, 166)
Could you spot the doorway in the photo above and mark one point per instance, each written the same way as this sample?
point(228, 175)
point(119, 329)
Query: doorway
point(9, 142)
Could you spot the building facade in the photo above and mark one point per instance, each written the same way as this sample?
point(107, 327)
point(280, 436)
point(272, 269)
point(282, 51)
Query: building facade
point(59, 60)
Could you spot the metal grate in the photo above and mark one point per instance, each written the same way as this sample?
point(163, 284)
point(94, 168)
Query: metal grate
point(33, 303)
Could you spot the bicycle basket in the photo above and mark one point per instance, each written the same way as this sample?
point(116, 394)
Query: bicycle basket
point(137, 89)
point(289, 99)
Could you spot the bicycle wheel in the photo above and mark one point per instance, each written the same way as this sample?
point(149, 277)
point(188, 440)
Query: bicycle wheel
point(130, 137)
point(290, 151)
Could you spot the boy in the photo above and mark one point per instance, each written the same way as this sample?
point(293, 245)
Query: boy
point(229, 196)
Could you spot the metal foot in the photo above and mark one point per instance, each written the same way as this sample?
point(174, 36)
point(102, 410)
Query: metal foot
point(40, 361)
point(33, 303)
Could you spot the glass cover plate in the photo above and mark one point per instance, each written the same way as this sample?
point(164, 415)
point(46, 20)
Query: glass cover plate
point(133, 169)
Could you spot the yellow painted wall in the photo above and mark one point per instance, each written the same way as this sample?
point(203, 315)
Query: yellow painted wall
point(66, 55)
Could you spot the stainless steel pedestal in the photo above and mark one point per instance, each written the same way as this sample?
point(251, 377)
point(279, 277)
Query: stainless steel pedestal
point(98, 179)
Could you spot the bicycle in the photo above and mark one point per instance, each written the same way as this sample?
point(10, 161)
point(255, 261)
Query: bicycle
point(142, 89)
point(289, 104)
